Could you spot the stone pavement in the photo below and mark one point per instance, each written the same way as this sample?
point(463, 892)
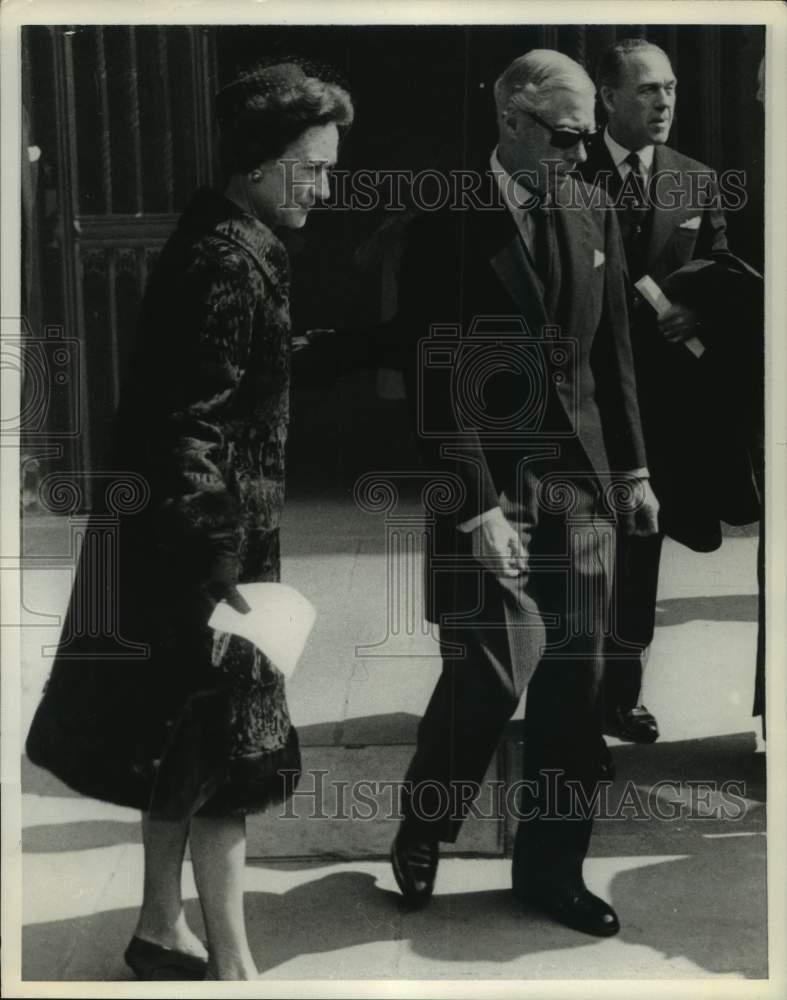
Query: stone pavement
point(689, 885)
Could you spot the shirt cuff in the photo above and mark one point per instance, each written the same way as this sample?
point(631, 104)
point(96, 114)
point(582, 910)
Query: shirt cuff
point(467, 526)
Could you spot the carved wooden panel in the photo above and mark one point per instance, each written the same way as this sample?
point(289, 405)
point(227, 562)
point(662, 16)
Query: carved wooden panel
point(120, 113)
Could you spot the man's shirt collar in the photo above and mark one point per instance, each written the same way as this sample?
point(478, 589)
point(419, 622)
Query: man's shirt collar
point(516, 196)
point(619, 153)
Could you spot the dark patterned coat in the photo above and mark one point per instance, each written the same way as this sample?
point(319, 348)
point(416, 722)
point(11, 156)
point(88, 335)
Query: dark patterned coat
point(203, 419)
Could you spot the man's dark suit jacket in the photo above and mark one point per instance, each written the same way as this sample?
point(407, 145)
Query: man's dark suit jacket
point(472, 306)
point(695, 412)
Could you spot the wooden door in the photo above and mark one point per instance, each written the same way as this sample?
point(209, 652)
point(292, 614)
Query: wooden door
point(119, 126)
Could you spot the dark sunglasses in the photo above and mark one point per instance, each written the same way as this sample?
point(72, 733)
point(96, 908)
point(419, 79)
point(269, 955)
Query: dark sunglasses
point(561, 138)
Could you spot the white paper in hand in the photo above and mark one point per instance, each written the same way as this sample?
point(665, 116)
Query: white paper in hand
point(653, 295)
point(279, 622)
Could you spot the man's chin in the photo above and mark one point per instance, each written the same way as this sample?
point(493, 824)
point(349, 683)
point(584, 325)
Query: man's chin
point(558, 180)
point(660, 133)
point(293, 218)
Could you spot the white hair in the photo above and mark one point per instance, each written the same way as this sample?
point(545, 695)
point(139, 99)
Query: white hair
point(531, 80)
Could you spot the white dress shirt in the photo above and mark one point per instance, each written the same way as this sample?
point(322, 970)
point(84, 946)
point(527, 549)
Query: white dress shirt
point(517, 200)
point(619, 154)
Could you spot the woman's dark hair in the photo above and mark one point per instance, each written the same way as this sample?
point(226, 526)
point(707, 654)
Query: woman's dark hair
point(266, 108)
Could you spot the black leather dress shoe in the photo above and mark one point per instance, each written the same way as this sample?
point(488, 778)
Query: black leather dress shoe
point(637, 725)
point(573, 905)
point(414, 865)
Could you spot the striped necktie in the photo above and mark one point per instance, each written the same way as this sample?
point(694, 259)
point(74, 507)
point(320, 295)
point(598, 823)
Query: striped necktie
point(635, 163)
point(638, 229)
point(545, 250)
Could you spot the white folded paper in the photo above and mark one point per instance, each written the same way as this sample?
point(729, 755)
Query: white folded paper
point(279, 622)
point(653, 295)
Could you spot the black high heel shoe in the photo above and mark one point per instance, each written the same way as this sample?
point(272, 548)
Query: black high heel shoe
point(153, 962)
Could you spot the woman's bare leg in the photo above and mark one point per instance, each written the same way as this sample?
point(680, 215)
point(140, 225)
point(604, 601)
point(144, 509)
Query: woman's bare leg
point(218, 854)
point(161, 918)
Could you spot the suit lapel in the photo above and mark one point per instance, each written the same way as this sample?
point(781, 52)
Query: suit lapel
point(664, 219)
point(601, 170)
point(577, 240)
point(512, 266)
point(502, 245)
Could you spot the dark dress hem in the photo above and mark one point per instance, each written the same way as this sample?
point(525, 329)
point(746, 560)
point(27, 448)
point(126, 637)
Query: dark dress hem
point(253, 782)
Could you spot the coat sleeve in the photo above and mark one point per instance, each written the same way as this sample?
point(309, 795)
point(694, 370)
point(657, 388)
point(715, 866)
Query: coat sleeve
point(430, 292)
point(713, 227)
point(613, 364)
point(711, 244)
point(180, 414)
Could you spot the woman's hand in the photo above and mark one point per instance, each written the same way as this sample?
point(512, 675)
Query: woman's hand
point(222, 582)
point(315, 337)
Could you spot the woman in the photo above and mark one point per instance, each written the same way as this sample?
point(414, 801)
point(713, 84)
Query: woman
point(197, 734)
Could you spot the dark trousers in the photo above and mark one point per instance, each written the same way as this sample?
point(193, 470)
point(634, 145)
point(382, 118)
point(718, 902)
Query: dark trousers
point(633, 619)
point(543, 631)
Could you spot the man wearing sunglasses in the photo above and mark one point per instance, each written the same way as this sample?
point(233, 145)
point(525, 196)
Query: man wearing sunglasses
point(670, 216)
point(521, 376)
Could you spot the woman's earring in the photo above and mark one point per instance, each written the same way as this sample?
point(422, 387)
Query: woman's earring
point(256, 175)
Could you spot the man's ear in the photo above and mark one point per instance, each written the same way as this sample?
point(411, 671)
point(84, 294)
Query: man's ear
point(607, 95)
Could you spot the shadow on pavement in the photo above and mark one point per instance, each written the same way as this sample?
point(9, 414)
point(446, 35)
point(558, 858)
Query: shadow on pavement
point(691, 887)
point(82, 835)
point(709, 907)
point(709, 758)
point(37, 781)
point(720, 608)
point(82, 948)
point(487, 926)
point(85, 949)
point(704, 908)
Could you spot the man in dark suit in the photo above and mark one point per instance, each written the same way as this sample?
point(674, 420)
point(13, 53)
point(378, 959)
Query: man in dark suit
point(522, 380)
point(670, 215)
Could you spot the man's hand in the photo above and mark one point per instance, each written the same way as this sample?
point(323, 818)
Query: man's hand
point(678, 323)
point(642, 519)
point(498, 547)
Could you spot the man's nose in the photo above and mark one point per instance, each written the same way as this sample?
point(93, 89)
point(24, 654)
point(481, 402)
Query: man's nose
point(578, 153)
point(322, 188)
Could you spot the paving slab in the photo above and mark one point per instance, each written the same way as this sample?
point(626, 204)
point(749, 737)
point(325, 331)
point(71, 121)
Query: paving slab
point(344, 921)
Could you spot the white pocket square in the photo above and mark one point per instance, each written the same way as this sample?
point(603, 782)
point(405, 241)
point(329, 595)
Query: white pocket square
point(598, 258)
point(692, 223)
